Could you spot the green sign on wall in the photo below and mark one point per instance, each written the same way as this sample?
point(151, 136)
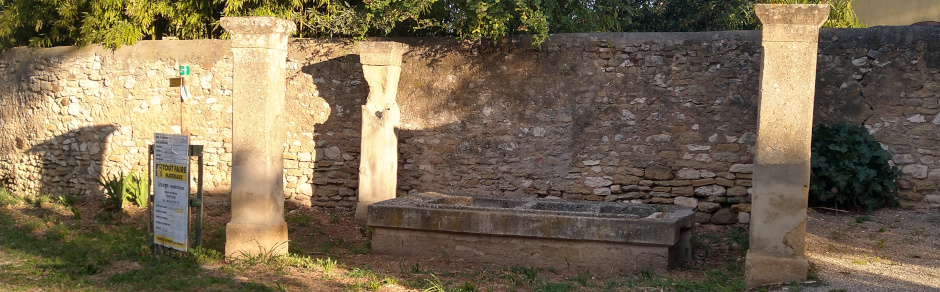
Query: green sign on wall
point(184, 70)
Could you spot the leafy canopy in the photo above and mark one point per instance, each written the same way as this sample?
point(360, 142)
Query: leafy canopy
point(112, 23)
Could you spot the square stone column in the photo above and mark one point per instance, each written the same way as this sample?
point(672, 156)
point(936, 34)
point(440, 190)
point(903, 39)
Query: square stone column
point(378, 164)
point(259, 50)
point(785, 126)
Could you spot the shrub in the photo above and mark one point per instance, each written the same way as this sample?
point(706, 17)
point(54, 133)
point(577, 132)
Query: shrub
point(119, 189)
point(850, 169)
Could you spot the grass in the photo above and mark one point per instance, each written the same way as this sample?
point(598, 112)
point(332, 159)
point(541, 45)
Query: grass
point(46, 246)
point(862, 219)
point(7, 198)
point(835, 235)
point(45, 249)
point(881, 243)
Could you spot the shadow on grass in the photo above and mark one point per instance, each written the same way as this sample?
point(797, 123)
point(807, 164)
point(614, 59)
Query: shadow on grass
point(39, 249)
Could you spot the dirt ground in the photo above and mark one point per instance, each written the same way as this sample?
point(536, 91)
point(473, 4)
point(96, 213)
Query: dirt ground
point(325, 233)
point(887, 250)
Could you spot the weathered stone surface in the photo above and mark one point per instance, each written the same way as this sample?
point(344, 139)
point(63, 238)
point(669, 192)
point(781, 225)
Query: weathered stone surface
point(744, 217)
point(683, 191)
point(910, 195)
point(781, 172)
point(905, 184)
point(724, 182)
point(626, 179)
point(378, 166)
point(702, 182)
point(741, 208)
point(596, 182)
point(915, 170)
point(742, 168)
point(658, 172)
point(737, 191)
point(687, 173)
point(687, 202)
point(483, 225)
point(724, 216)
point(710, 190)
point(702, 217)
point(259, 47)
point(737, 200)
point(708, 207)
point(932, 200)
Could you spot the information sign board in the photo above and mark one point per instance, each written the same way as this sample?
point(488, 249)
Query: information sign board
point(171, 190)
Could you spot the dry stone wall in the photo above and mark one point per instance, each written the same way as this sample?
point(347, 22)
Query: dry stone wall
point(71, 115)
point(649, 117)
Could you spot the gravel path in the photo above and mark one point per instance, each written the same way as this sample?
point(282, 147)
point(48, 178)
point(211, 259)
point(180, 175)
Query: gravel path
point(888, 250)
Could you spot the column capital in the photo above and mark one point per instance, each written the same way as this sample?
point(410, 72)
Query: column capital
point(791, 22)
point(258, 32)
point(381, 53)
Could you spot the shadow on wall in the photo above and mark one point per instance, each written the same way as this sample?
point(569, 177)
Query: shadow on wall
point(504, 119)
point(73, 161)
point(340, 84)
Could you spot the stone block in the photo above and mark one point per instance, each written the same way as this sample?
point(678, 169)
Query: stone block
point(915, 170)
point(687, 173)
point(597, 182)
point(702, 182)
point(658, 172)
point(724, 182)
point(932, 200)
point(910, 195)
point(742, 168)
point(741, 208)
point(724, 216)
point(737, 191)
point(707, 207)
point(702, 217)
point(686, 201)
point(683, 191)
point(744, 217)
point(625, 179)
point(484, 226)
point(710, 190)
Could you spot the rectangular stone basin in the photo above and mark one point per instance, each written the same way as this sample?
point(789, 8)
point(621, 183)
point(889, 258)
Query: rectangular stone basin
point(604, 237)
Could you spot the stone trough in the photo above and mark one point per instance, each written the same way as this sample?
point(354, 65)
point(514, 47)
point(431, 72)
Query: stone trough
point(531, 232)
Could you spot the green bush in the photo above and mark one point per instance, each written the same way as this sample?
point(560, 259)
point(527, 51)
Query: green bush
point(850, 170)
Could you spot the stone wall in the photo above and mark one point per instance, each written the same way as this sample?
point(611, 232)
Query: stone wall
point(645, 117)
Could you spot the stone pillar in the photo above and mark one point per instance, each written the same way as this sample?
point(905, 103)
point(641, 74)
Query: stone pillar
point(378, 164)
point(259, 50)
point(785, 122)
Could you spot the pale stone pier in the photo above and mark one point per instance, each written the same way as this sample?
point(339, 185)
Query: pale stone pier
point(259, 49)
point(785, 122)
point(378, 168)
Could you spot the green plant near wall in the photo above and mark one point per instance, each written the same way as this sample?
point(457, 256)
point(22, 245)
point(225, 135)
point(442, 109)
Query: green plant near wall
point(850, 170)
point(120, 189)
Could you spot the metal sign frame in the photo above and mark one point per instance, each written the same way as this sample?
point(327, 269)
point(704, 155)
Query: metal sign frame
point(193, 202)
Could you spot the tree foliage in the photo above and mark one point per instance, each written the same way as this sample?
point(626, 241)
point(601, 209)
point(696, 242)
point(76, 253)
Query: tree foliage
point(841, 14)
point(113, 23)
